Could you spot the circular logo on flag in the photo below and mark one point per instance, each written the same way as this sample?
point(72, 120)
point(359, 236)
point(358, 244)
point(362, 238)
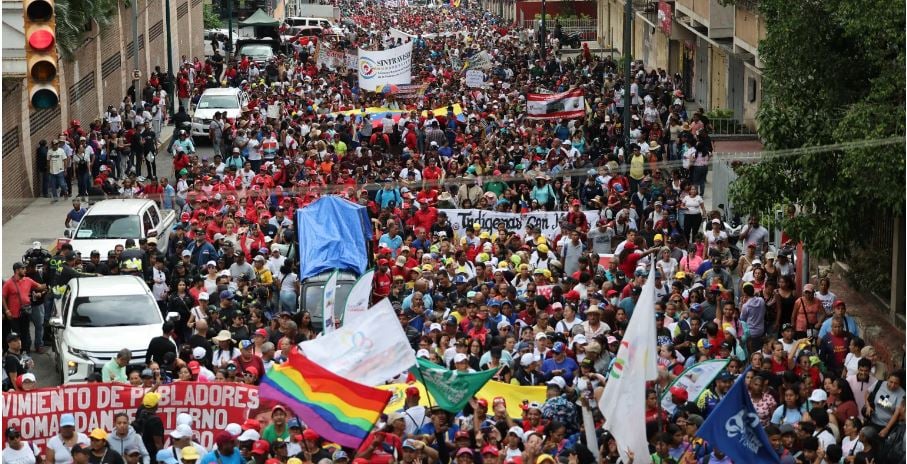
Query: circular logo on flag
point(367, 68)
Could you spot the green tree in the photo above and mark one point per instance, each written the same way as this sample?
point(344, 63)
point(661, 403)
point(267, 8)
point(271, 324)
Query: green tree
point(210, 18)
point(74, 20)
point(833, 73)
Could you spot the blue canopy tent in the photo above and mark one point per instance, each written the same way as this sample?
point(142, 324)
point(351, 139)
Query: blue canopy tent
point(333, 234)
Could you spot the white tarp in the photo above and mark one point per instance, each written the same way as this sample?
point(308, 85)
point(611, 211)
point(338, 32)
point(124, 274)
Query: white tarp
point(382, 67)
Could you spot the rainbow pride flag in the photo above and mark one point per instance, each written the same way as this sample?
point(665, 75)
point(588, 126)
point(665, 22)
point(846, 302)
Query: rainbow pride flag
point(341, 411)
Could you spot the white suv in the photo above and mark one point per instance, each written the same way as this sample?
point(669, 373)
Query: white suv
point(99, 316)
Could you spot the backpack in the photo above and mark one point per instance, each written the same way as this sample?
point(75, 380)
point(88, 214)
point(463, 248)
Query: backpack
point(141, 418)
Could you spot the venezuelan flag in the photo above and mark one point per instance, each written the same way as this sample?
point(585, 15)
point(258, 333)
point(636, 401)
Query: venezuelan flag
point(341, 411)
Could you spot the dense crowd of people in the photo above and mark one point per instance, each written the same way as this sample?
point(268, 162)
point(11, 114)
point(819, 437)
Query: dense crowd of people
point(542, 310)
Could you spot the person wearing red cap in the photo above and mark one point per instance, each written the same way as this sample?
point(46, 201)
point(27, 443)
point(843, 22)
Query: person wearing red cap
point(278, 427)
point(311, 447)
point(260, 451)
point(382, 281)
point(224, 452)
point(413, 413)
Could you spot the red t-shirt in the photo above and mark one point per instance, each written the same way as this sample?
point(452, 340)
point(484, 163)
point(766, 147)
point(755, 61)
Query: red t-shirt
point(382, 284)
point(17, 292)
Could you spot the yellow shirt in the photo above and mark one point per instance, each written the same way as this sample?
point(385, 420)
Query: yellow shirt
point(264, 275)
point(637, 167)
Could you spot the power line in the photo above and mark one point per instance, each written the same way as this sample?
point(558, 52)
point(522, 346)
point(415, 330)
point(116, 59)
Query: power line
point(581, 172)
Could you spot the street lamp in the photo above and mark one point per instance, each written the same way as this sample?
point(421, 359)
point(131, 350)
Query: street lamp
point(628, 38)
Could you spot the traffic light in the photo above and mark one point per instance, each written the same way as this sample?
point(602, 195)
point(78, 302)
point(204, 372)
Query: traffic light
point(41, 54)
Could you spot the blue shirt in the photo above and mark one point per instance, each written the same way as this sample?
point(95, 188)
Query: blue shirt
point(393, 243)
point(429, 429)
point(568, 365)
point(76, 214)
point(212, 458)
point(850, 325)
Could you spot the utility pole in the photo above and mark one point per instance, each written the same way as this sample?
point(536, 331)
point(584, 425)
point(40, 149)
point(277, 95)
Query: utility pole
point(228, 47)
point(135, 45)
point(543, 39)
point(628, 79)
point(170, 76)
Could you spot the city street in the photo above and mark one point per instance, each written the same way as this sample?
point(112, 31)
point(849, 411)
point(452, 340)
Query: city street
point(450, 229)
point(42, 221)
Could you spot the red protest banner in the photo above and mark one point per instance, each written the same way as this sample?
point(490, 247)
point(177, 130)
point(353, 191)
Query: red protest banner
point(212, 406)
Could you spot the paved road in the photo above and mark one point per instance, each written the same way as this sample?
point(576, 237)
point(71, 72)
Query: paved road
point(43, 221)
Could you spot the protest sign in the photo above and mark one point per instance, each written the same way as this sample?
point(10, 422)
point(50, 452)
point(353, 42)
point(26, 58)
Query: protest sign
point(330, 58)
point(37, 413)
point(480, 60)
point(475, 78)
point(382, 67)
point(549, 222)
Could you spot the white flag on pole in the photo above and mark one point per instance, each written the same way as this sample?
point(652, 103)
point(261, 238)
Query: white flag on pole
point(623, 403)
point(357, 301)
point(328, 300)
point(369, 351)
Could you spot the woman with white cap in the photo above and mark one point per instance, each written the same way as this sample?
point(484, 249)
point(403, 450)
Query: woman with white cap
point(59, 447)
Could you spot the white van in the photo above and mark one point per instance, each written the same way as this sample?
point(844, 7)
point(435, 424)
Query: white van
point(228, 100)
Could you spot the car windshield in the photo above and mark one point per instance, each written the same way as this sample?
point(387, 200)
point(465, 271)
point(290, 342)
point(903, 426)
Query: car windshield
point(313, 299)
point(257, 51)
point(109, 227)
point(218, 102)
point(107, 311)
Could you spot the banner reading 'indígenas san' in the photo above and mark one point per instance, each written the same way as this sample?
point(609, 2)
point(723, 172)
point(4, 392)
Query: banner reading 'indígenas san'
point(384, 67)
point(566, 105)
point(37, 413)
point(548, 222)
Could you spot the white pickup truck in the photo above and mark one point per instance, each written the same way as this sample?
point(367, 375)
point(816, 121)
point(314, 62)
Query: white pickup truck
point(109, 223)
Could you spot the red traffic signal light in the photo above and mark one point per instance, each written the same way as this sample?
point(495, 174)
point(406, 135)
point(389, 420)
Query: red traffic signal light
point(41, 54)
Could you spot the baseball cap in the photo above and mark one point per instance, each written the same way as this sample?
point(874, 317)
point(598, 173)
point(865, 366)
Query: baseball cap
point(261, 447)
point(151, 399)
point(97, 434)
point(340, 455)
point(558, 347)
point(181, 431)
point(558, 381)
point(818, 396)
point(249, 435)
point(67, 420)
point(409, 444)
point(166, 456)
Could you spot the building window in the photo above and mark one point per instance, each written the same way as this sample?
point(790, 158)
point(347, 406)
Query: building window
point(751, 89)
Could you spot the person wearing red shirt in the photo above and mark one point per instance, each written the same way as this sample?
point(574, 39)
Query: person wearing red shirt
point(382, 281)
point(629, 258)
point(834, 346)
point(16, 294)
point(425, 217)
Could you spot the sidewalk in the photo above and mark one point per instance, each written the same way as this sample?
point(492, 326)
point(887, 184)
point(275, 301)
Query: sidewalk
point(43, 221)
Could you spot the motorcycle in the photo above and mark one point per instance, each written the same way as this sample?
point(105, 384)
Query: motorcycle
point(732, 226)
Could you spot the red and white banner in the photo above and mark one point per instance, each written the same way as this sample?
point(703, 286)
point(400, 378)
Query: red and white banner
point(665, 17)
point(567, 105)
point(212, 406)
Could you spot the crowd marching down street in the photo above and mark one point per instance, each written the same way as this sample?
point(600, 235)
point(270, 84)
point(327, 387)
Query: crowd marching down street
point(541, 293)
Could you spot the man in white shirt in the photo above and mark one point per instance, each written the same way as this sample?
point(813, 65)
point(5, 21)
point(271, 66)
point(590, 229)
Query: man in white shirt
point(56, 167)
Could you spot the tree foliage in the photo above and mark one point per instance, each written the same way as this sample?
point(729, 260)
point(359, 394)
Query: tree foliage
point(74, 19)
point(833, 73)
point(210, 18)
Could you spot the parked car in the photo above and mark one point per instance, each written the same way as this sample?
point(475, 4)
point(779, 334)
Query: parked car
point(109, 223)
point(224, 100)
point(91, 324)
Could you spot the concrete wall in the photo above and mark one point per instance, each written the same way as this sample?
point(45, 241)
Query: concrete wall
point(98, 76)
point(752, 90)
